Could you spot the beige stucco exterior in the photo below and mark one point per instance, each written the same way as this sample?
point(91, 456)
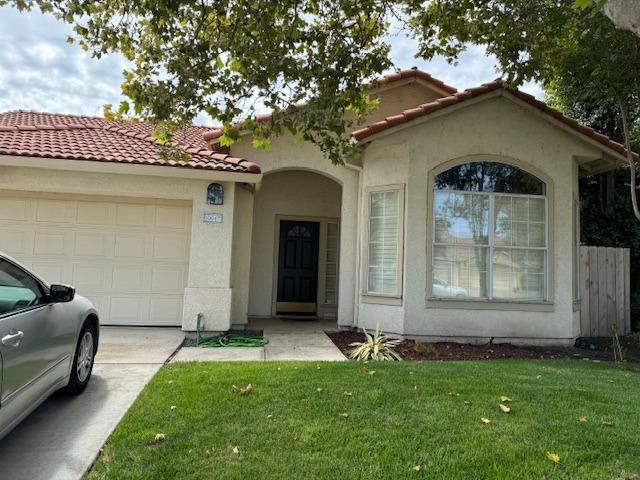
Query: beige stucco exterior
point(232, 266)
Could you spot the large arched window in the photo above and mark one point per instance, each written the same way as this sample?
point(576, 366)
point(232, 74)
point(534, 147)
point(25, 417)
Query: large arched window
point(489, 233)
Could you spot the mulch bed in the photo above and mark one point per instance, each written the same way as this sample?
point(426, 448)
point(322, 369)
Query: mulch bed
point(594, 349)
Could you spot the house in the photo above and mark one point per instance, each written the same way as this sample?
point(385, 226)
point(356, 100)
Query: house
point(459, 221)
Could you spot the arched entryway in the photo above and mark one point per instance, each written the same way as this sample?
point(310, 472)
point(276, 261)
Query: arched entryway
point(295, 246)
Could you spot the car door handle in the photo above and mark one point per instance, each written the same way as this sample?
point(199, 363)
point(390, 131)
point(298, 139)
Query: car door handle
point(13, 339)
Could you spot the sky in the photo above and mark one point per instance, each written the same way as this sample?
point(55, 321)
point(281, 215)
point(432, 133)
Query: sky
point(40, 71)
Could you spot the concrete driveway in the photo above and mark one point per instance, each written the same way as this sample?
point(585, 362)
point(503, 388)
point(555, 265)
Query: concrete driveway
point(61, 439)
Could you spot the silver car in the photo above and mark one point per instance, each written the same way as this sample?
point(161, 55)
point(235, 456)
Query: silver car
point(48, 340)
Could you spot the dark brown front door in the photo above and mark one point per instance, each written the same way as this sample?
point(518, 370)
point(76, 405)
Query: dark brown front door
point(298, 267)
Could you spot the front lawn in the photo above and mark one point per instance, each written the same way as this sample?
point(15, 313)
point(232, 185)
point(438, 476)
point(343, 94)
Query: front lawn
point(396, 420)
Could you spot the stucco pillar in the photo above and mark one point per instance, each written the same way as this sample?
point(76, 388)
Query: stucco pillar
point(241, 254)
point(348, 252)
point(209, 286)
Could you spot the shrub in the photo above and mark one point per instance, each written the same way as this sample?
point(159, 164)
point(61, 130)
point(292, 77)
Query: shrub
point(375, 347)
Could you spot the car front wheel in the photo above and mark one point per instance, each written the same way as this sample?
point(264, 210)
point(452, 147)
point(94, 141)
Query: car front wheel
point(82, 361)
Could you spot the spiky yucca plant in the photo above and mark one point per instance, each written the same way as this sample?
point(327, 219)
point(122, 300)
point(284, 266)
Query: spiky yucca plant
point(375, 347)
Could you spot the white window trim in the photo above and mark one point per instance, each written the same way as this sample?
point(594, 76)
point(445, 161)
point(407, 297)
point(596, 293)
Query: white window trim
point(490, 246)
point(375, 297)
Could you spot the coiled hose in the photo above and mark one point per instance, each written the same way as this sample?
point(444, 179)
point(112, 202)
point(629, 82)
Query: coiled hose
point(227, 339)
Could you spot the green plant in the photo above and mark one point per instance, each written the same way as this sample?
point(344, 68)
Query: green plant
point(635, 337)
point(428, 349)
point(617, 348)
point(375, 347)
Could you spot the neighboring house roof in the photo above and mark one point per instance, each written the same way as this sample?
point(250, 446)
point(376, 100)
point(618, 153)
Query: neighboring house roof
point(460, 97)
point(213, 134)
point(75, 137)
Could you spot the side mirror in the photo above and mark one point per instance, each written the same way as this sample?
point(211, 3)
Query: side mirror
point(61, 293)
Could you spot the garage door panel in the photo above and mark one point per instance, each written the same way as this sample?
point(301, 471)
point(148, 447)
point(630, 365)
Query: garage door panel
point(131, 246)
point(169, 247)
point(171, 217)
point(94, 276)
point(95, 213)
point(129, 257)
point(16, 242)
point(16, 209)
point(129, 310)
point(131, 277)
point(53, 242)
point(94, 244)
point(55, 211)
point(165, 309)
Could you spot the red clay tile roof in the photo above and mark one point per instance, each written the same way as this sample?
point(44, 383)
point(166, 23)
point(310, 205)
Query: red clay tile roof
point(75, 137)
point(457, 98)
point(215, 133)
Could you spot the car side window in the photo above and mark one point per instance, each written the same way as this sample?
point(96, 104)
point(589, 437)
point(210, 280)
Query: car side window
point(18, 289)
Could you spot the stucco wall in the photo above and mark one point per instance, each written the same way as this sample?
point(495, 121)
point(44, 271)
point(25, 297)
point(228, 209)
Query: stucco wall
point(495, 129)
point(208, 287)
point(290, 193)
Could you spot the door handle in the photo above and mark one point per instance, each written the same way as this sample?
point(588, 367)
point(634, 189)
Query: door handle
point(13, 339)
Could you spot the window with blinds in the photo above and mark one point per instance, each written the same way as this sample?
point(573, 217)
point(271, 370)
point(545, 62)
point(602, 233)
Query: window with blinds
point(384, 240)
point(490, 233)
point(331, 267)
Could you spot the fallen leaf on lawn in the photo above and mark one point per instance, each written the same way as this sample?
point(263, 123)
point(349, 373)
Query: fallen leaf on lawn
point(235, 450)
point(344, 414)
point(504, 399)
point(347, 394)
point(269, 417)
point(485, 420)
point(583, 419)
point(467, 402)
point(364, 370)
point(371, 372)
point(170, 381)
point(607, 423)
point(173, 407)
point(243, 390)
point(538, 377)
point(554, 457)
point(319, 389)
point(504, 408)
point(417, 468)
point(411, 373)
point(160, 437)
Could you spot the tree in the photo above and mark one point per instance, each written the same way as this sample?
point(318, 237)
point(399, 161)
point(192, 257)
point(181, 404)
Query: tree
point(227, 58)
point(551, 41)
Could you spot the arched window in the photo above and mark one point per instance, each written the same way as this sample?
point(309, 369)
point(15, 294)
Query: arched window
point(489, 233)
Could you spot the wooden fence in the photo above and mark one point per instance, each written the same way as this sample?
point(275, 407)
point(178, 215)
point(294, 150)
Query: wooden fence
point(604, 291)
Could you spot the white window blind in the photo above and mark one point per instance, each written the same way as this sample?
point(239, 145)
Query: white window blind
point(384, 224)
point(331, 272)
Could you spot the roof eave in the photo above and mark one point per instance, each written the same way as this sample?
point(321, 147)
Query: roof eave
point(172, 171)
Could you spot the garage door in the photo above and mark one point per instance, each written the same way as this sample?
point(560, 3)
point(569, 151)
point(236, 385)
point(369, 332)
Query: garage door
point(129, 257)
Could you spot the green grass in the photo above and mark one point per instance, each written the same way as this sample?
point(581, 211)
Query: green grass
point(405, 414)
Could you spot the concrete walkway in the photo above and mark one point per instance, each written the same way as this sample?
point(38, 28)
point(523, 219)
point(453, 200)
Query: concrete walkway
point(62, 438)
point(288, 340)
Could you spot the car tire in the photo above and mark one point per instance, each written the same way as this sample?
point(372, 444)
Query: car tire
point(83, 356)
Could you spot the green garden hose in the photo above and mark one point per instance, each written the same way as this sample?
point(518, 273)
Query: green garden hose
point(228, 340)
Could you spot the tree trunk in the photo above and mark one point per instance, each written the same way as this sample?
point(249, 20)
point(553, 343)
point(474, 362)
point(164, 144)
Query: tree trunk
point(632, 163)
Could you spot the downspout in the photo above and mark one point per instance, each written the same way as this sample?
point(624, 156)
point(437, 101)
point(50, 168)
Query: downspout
point(358, 273)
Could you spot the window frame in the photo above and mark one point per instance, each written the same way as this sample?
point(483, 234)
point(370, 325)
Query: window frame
point(377, 297)
point(546, 305)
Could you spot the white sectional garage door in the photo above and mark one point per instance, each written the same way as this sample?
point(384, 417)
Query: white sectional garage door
point(129, 257)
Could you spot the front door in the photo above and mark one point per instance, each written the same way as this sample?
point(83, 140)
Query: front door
point(298, 268)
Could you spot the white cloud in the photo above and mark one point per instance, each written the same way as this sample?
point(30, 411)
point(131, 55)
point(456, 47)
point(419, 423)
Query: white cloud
point(40, 71)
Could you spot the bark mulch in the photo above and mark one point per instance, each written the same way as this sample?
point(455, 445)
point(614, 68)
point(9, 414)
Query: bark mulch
point(589, 348)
